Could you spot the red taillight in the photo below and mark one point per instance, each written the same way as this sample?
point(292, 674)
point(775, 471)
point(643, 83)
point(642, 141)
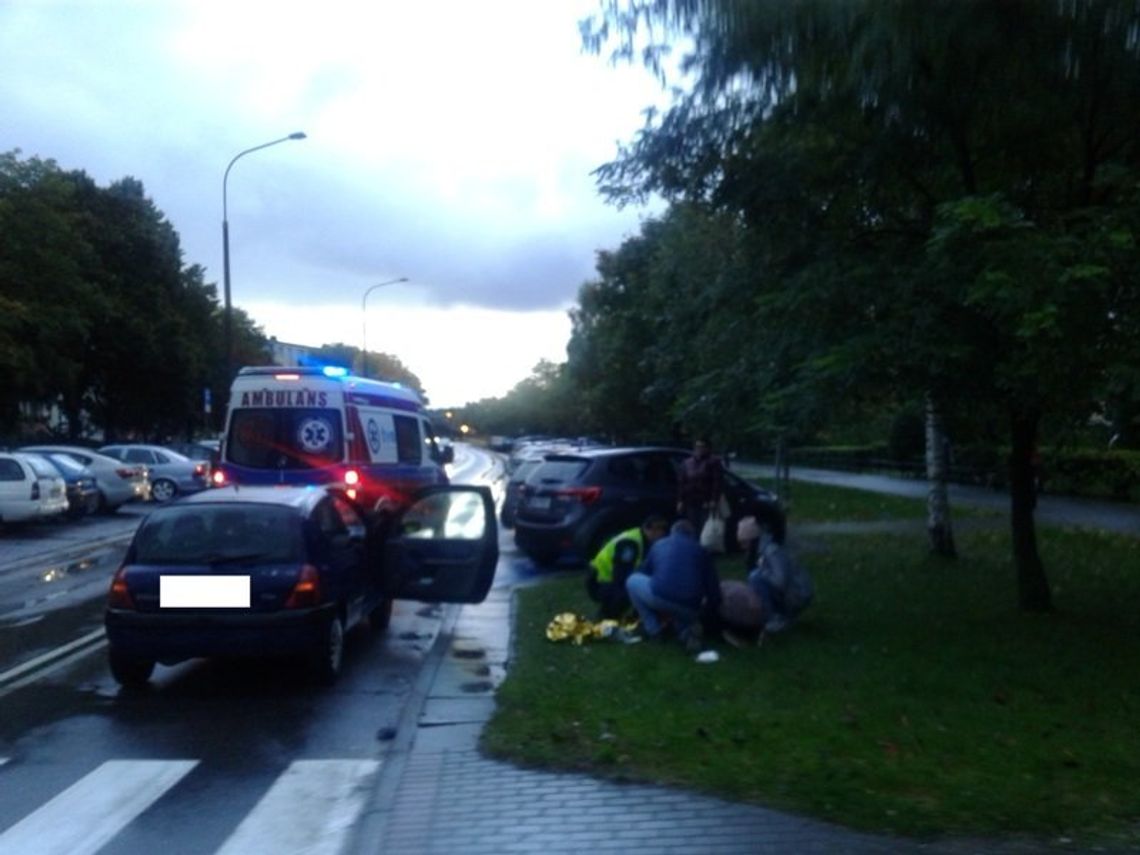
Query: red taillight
point(219, 478)
point(585, 495)
point(351, 478)
point(120, 596)
point(199, 469)
point(307, 591)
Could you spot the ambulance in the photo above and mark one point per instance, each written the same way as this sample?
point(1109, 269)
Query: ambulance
point(322, 425)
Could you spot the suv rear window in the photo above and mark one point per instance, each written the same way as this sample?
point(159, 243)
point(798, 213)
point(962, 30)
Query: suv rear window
point(285, 438)
point(558, 470)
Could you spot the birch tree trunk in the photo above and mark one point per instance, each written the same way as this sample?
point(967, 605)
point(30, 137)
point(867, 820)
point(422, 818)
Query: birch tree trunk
point(938, 525)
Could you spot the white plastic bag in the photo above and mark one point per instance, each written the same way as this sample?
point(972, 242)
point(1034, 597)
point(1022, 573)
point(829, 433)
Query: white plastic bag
point(712, 534)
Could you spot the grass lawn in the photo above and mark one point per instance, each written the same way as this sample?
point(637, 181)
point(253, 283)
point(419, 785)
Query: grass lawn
point(913, 698)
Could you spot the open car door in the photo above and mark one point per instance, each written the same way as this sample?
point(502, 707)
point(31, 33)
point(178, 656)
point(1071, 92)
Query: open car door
point(443, 547)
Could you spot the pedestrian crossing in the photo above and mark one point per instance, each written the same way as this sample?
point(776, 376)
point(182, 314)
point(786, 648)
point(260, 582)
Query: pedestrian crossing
point(311, 807)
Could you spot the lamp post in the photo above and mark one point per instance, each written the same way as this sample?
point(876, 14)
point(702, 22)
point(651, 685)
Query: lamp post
point(228, 317)
point(364, 322)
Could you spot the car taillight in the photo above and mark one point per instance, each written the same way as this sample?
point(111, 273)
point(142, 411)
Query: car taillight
point(585, 495)
point(351, 478)
point(219, 478)
point(307, 591)
point(120, 596)
point(199, 469)
point(127, 473)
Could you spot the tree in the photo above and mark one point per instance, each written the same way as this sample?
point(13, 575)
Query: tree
point(914, 157)
point(95, 298)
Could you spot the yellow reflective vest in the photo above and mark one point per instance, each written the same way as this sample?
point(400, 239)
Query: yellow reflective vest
point(603, 562)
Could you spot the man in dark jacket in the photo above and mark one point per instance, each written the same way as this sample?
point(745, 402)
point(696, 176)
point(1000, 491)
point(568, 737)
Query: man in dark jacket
point(700, 483)
point(677, 576)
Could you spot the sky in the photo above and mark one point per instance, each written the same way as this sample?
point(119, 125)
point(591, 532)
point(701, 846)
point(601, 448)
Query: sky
point(448, 142)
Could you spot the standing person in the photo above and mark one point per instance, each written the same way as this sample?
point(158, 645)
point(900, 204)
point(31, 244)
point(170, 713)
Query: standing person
point(699, 484)
point(676, 578)
point(609, 569)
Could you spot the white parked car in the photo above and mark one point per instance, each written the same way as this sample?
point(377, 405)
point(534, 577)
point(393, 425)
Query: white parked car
point(118, 482)
point(29, 489)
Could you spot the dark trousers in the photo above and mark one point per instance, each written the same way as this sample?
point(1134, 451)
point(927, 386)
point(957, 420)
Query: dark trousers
point(612, 598)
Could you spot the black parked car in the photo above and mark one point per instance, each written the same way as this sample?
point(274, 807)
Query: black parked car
point(573, 502)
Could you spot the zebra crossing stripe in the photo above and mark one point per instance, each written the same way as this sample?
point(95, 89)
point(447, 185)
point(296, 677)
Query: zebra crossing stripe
point(310, 808)
point(81, 819)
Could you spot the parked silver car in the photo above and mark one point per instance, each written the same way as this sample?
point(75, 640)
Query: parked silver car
point(118, 482)
point(171, 474)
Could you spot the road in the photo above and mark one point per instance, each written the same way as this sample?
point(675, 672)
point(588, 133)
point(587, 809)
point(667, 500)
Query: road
point(213, 757)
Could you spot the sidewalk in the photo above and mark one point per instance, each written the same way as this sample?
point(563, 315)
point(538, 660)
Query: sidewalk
point(1057, 510)
point(440, 795)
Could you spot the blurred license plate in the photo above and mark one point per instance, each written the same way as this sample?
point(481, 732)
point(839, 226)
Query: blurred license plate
point(203, 592)
point(540, 502)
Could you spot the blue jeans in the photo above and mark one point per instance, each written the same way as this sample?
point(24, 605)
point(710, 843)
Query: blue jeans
point(640, 590)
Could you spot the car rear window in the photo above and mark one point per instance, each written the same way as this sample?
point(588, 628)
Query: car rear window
point(205, 534)
point(559, 470)
point(523, 470)
point(68, 464)
point(41, 467)
point(296, 438)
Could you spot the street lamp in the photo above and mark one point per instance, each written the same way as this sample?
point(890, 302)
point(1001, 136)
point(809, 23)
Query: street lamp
point(228, 317)
point(364, 322)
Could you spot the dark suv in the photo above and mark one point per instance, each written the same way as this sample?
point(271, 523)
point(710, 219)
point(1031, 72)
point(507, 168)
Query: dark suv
point(572, 503)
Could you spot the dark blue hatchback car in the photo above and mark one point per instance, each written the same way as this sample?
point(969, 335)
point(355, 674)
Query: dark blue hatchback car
point(267, 571)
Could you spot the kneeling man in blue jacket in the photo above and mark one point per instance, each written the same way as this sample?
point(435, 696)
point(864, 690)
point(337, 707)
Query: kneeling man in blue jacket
point(677, 577)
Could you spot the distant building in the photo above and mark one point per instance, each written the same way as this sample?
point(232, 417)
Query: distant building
point(289, 355)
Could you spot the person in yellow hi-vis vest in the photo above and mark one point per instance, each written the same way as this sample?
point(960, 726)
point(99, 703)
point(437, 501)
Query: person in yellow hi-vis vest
point(607, 572)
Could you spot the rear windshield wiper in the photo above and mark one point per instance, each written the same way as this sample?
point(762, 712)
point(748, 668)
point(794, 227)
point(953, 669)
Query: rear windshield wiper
point(234, 558)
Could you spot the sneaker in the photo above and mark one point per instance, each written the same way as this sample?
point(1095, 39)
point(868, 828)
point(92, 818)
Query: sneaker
point(777, 623)
point(733, 639)
point(692, 638)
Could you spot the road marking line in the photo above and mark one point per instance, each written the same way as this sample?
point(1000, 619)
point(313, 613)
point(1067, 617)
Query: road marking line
point(34, 669)
point(85, 816)
point(310, 808)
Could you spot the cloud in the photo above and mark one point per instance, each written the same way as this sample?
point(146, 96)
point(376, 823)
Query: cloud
point(449, 142)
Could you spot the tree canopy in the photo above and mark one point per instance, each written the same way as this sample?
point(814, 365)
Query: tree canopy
point(937, 198)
